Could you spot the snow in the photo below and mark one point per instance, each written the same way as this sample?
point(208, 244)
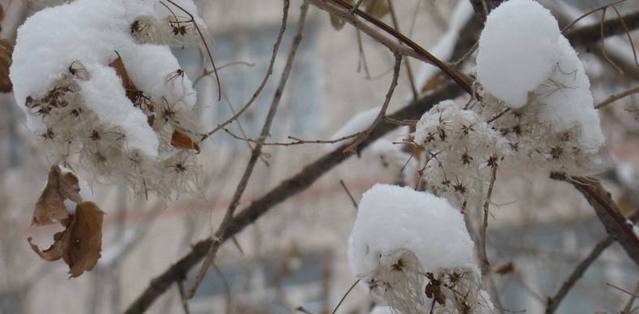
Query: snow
point(104, 94)
point(79, 35)
point(153, 69)
point(358, 123)
point(524, 60)
point(62, 64)
point(443, 50)
point(392, 218)
point(384, 310)
point(567, 99)
point(517, 50)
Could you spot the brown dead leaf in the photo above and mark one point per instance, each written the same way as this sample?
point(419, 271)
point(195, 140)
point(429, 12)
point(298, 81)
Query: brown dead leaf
point(180, 139)
point(50, 206)
point(83, 239)
point(6, 50)
point(137, 97)
point(506, 268)
point(120, 69)
point(54, 252)
point(80, 244)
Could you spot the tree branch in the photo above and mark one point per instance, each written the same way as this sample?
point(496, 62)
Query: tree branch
point(607, 211)
point(554, 302)
point(257, 150)
point(287, 188)
point(302, 180)
point(587, 35)
point(411, 49)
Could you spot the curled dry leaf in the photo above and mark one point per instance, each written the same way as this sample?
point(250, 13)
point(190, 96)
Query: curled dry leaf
point(120, 69)
point(182, 140)
point(137, 97)
point(50, 206)
point(6, 50)
point(80, 244)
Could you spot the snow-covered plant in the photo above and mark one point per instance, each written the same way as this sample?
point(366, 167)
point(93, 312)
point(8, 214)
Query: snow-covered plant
point(536, 107)
point(104, 102)
point(461, 150)
point(537, 89)
point(413, 251)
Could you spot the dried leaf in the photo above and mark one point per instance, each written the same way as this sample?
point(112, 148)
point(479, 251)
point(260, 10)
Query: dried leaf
point(6, 50)
point(54, 252)
point(50, 206)
point(180, 139)
point(83, 239)
point(120, 69)
point(505, 268)
point(80, 244)
point(137, 97)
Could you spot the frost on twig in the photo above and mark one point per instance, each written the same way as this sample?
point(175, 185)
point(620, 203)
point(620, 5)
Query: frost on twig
point(414, 253)
point(104, 103)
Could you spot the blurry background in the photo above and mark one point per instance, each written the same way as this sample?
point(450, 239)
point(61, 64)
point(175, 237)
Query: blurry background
point(296, 254)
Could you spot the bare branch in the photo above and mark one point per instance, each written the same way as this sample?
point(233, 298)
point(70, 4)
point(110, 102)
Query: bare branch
point(412, 50)
point(588, 35)
point(616, 97)
point(287, 188)
point(269, 71)
point(483, 239)
point(257, 150)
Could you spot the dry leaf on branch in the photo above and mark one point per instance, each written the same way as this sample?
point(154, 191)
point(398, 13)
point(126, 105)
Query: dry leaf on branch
point(180, 139)
point(50, 206)
point(137, 97)
point(80, 244)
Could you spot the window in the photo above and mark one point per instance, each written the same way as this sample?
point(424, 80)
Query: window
point(265, 284)
point(299, 113)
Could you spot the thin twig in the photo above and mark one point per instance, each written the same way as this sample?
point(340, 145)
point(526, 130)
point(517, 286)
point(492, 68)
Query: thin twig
point(300, 182)
point(287, 188)
point(294, 140)
point(409, 70)
point(554, 302)
point(609, 214)
point(361, 62)
point(630, 41)
point(628, 308)
point(269, 71)
point(575, 21)
point(411, 49)
point(183, 300)
point(382, 111)
point(603, 44)
point(348, 192)
point(344, 296)
point(483, 240)
point(206, 46)
point(616, 97)
point(257, 150)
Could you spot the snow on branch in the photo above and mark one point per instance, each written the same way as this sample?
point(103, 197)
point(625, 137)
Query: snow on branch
point(103, 101)
point(405, 242)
